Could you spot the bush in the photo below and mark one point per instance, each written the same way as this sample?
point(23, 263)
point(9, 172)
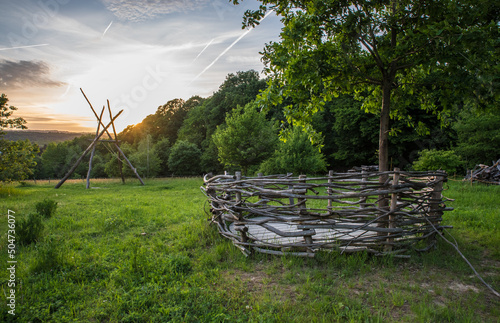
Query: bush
point(184, 159)
point(30, 230)
point(46, 208)
point(246, 139)
point(478, 138)
point(297, 155)
point(446, 160)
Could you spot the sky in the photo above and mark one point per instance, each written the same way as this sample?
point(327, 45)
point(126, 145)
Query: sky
point(136, 54)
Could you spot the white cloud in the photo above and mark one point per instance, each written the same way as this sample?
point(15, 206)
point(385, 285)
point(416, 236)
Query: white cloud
point(204, 35)
point(244, 59)
point(144, 10)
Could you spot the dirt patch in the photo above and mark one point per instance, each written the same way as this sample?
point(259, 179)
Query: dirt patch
point(398, 292)
point(258, 282)
point(461, 287)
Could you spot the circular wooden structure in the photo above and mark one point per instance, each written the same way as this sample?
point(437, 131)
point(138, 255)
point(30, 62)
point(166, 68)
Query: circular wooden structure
point(383, 213)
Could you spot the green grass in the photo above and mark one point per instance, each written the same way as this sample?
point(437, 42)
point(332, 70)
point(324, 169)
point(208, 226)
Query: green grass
point(131, 253)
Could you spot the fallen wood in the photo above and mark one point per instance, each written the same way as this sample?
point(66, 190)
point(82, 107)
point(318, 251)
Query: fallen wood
point(485, 174)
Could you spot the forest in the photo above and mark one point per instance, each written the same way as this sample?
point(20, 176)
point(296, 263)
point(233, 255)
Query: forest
point(393, 84)
point(229, 131)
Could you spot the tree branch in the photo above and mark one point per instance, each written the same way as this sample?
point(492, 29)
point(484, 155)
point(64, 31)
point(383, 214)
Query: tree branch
point(375, 55)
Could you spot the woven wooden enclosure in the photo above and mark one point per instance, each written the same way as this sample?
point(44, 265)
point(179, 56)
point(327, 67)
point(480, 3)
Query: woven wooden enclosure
point(382, 213)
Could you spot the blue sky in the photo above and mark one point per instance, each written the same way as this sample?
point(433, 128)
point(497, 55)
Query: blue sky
point(137, 54)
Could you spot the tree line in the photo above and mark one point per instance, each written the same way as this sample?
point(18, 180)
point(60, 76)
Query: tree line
point(401, 83)
point(229, 131)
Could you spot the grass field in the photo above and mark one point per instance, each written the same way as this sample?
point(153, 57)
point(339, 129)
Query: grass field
point(131, 253)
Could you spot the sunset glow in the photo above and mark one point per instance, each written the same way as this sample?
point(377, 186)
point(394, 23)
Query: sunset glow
point(137, 54)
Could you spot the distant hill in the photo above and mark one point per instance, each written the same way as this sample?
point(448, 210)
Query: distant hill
point(41, 137)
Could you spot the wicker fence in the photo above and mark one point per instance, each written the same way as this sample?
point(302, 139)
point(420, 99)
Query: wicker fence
point(382, 213)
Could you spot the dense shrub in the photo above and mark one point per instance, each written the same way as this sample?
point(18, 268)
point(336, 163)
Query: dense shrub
point(30, 230)
point(478, 138)
point(297, 155)
point(184, 159)
point(46, 208)
point(446, 160)
point(246, 139)
point(49, 256)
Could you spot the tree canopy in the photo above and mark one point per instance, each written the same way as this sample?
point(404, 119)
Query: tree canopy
point(6, 112)
point(295, 155)
point(17, 158)
point(390, 54)
point(246, 139)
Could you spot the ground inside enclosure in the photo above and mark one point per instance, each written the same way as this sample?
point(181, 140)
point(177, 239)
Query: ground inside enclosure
point(132, 253)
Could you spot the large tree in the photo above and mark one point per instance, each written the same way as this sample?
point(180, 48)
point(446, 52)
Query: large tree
point(295, 155)
point(202, 121)
point(390, 54)
point(246, 139)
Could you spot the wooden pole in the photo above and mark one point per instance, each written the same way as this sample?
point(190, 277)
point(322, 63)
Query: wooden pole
point(303, 210)
point(116, 143)
point(242, 229)
point(110, 137)
point(364, 178)
point(95, 113)
point(383, 202)
point(394, 205)
point(238, 194)
point(85, 153)
point(302, 201)
point(434, 203)
point(330, 191)
point(93, 150)
point(129, 164)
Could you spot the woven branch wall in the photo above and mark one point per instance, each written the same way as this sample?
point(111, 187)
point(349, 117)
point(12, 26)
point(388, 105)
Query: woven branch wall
point(382, 213)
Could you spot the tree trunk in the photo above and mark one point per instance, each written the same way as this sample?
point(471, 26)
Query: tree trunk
point(383, 144)
point(383, 147)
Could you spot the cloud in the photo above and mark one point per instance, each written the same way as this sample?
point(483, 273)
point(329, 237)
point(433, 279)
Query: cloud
point(26, 73)
point(23, 47)
point(44, 118)
point(227, 49)
point(135, 11)
point(256, 59)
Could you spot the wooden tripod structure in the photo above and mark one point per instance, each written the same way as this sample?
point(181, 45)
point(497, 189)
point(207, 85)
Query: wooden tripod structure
point(96, 140)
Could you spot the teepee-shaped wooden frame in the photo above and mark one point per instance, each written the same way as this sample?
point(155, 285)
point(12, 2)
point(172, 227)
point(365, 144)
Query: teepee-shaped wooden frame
point(98, 135)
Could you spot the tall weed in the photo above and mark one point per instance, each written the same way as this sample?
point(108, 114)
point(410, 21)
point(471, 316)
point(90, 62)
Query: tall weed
point(30, 229)
point(46, 208)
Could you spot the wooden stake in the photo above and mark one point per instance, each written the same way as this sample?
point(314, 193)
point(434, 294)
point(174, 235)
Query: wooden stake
point(116, 143)
point(85, 153)
point(394, 205)
point(93, 150)
point(115, 139)
point(238, 194)
point(129, 164)
point(303, 209)
point(434, 205)
point(329, 191)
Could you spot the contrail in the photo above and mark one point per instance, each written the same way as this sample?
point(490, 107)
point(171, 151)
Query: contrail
point(106, 29)
point(203, 50)
point(67, 90)
point(28, 46)
point(227, 49)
